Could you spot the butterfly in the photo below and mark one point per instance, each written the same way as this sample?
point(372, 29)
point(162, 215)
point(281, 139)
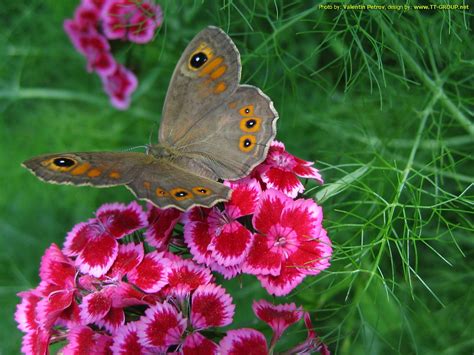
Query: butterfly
point(212, 129)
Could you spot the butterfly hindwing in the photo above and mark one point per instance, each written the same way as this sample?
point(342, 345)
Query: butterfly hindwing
point(232, 139)
point(166, 185)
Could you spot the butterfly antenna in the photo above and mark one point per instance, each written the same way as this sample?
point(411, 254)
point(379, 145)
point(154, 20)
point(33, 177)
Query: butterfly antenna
point(155, 126)
point(137, 147)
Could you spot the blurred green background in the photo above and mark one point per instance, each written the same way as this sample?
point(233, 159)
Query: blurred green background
point(380, 99)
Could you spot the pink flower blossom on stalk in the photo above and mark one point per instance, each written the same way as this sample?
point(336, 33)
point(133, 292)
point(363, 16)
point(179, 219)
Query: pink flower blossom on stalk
point(278, 317)
point(290, 242)
point(96, 21)
point(135, 20)
point(120, 85)
point(280, 171)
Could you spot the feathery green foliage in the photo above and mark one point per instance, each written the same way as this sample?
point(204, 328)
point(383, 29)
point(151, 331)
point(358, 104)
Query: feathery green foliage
point(382, 100)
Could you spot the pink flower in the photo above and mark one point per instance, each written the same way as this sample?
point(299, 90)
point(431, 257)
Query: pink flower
point(151, 275)
point(211, 307)
point(95, 242)
point(84, 340)
point(185, 276)
point(161, 223)
point(290, 242)
point(280, 171)
point(135, 20)
point(243, 342)
point(120, 85)
point(215, 237)
point(278, 317)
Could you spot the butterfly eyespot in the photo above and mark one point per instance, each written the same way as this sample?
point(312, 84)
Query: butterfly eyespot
point(246, 110)
point(60, 164)
point(64, 162)
point(203, 191)
point(198, 59)
point(160, 192)
point(251, 124)
point(180, 194)
point(247, 143)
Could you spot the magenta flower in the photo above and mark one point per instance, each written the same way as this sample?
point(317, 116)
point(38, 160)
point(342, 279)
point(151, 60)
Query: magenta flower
point(290, 242)
point(215, 237)
point(244, 341)
point(95, 242)
point(135, 20)
point(278, 317)
point(161, 223)
point(280, 171)
point(120, 85)
point(96, 21)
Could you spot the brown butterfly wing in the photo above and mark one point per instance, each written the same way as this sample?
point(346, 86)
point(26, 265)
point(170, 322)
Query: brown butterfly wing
point(166, 185)
point(233, 138)
point(99, 169)
point(207, 73)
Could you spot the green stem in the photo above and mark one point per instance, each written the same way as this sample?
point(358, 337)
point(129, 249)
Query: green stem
point(432, 85)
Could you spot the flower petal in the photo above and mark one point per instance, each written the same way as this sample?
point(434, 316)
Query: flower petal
point(152, 273)
point(161, 326)
point(55, 268)
point(269, 210)
point(119, 86)
point(83, 340)
point(79, 236)
point(25, 314)
point(211, 306)
point(185, 276)
point(126, 341)
point(94, 307)
point(227, 271)
point(36, 342)
point(160, 226)
point(245, 195)
point(243, 342)
point(308, 172)
point(113, 320)
point(261, 260)
point(198, 237)
point(129, 257)
point(278, 317)
point(232, 244)
point(284, 181)
point(284, 283)
point(98, 255)
point(313, 256)
point(120, 220)
point(304, 216)
point(50, 307)
point(197, 344)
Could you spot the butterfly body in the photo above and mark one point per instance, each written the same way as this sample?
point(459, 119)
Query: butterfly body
point(212, 129)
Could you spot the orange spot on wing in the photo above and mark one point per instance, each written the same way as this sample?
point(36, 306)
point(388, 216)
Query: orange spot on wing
point(180, 194)
point(218, 72)
point(247, 110)
point(247, 143)
point(81, 169)
point(94, 172)
point(203, 191)
point(233, 105)
point(210, 66)
point(246, 124)
point(147, 185)
point(220, 87)
point(115, 175)
point(161, 193)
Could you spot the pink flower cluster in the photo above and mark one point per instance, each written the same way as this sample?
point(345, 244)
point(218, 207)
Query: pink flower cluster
point(121, 284)
point(97, 21)
point(263, 230)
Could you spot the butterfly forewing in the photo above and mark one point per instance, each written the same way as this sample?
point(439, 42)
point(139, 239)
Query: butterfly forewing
point(207, 73)
point(88, 168)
